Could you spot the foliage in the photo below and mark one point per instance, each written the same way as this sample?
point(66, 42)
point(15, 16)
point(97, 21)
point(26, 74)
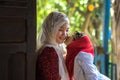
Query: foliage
point(68, 7)
point(81, 19)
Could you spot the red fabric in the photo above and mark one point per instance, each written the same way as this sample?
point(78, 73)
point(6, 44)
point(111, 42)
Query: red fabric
point(82, 44)
point(47, 67)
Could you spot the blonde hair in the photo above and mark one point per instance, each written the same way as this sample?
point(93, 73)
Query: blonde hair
point(50, 27)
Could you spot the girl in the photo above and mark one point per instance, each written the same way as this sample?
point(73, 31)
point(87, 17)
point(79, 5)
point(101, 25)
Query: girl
point(50, 62)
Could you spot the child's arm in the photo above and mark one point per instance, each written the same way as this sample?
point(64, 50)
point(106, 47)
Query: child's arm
point(85, 60)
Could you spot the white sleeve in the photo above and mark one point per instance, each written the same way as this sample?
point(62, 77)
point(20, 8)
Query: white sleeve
point(85, 60)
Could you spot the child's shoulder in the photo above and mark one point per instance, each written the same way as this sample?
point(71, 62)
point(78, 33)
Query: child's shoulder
point(85, 56)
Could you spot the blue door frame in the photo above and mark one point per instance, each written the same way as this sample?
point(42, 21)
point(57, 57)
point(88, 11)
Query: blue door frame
point(105, 32)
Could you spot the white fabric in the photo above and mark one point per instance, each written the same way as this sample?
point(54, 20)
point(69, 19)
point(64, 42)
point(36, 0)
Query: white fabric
point(84, 69)
point(62, 67)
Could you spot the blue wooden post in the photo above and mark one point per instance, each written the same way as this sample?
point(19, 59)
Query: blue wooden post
point(100, 58)
point(105, 31)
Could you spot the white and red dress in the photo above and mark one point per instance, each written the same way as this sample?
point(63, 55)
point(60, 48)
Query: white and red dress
point(79, 61)
point(51, 64)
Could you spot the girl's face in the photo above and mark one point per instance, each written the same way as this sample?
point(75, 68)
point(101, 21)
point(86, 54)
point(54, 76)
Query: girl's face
point(62, 33)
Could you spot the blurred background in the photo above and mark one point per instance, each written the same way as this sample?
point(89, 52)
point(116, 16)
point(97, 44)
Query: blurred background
point(21, 20)
point(99, 19)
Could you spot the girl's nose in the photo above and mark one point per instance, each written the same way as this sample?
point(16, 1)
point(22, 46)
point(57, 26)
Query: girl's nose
point(65, 33)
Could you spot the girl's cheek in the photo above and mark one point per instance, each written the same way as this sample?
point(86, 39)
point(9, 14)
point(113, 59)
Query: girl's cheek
point(60, 33)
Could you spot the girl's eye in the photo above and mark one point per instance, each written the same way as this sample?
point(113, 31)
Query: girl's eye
point(61, 30)
point(67, 30)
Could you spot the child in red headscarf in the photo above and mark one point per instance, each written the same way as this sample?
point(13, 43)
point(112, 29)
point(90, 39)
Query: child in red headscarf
point(79, 59)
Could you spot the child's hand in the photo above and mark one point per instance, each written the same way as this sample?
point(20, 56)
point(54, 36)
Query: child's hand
point(68, 40)
point(73, 37)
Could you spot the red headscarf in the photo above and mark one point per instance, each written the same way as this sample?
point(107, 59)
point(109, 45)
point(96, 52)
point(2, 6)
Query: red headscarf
point(82, 44)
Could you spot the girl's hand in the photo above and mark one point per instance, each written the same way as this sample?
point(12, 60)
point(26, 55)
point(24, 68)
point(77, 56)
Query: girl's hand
point(68, 40)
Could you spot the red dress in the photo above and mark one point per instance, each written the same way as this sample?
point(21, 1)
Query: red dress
point(47, 67)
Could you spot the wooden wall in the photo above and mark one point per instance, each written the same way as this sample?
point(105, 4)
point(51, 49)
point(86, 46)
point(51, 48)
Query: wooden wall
point(17, 39)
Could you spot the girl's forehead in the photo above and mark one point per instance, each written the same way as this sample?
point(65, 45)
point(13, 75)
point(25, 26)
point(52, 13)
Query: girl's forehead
point(65, 25)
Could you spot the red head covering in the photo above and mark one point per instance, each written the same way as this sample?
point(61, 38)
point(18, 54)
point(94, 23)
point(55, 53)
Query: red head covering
point(82, 44)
